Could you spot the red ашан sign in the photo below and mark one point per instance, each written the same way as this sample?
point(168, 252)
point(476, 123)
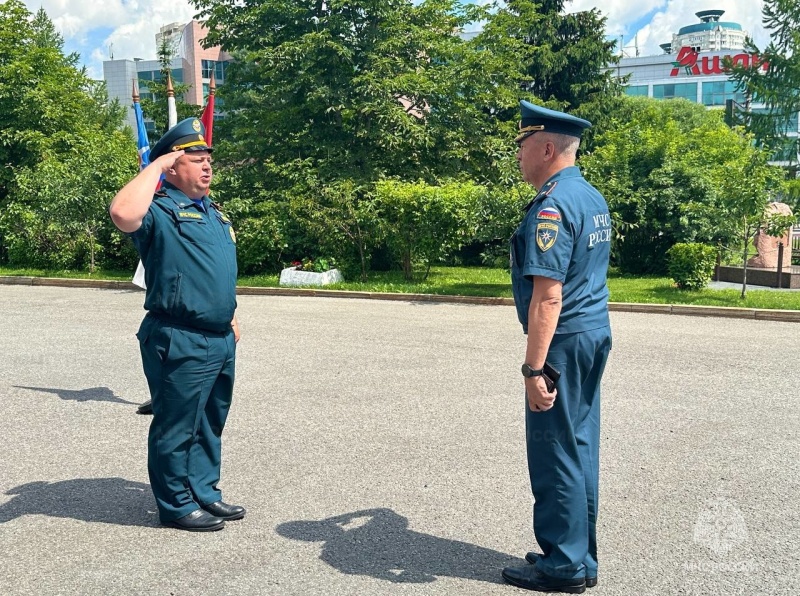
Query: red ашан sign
point(689, 60)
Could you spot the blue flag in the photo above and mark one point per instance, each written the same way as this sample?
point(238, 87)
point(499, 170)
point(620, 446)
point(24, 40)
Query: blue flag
point(142, 140)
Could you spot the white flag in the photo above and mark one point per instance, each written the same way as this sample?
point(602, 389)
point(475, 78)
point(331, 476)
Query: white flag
point(138, 277)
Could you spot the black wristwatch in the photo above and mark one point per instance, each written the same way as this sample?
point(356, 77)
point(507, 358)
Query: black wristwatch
point(529, 372)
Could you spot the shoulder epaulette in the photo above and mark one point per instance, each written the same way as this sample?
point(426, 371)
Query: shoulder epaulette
point(545, 192)
point(548, 188)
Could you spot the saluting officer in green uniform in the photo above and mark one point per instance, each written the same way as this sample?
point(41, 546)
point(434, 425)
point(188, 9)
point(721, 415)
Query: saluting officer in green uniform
point(559, 261)
point(188, 337)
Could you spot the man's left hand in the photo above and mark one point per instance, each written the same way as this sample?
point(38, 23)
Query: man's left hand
point(236, 333)
point(539, 399)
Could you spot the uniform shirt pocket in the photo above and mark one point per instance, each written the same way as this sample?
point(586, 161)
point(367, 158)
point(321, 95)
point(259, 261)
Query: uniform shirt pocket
point(195, 231)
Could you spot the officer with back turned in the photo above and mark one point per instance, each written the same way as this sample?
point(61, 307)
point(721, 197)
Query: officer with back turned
point(188, 337)
point(559, 261)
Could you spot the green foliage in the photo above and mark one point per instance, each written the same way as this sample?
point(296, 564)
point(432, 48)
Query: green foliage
point(65, 153)
point(360, 90)
point(261, 234)
point(691, 265)
point(776, 87)
point(570, 54)
point(746, 187)
point(790, 194)
point(425, 223)
point(672, 172)
point(320, 265)
point(342, 219)
point(497, 214)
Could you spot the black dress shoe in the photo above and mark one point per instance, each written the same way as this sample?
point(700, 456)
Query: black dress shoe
point(531, 557)
point(197, 521)
point(225, 511)
point(146, 408)
point(530, 578)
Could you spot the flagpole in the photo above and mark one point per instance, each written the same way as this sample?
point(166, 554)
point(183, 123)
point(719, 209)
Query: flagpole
point(172, 110)
point(208, 112)
point(143, 148)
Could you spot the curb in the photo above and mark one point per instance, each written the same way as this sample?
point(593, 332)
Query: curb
point(788, 316)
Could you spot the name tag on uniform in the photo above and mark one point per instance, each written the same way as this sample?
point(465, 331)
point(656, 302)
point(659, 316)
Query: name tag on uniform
point(188, 216)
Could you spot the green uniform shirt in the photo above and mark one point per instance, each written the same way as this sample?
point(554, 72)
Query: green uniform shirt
point(566, 236)
point(189, 257)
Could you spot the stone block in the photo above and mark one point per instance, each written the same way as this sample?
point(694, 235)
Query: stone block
point(293, 277)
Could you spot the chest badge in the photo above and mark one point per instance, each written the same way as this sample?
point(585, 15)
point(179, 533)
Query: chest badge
point(233, 234)
point(546, 234)
point(188, 215)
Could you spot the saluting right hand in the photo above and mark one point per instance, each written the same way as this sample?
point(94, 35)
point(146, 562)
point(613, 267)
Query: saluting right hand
point(166, 161)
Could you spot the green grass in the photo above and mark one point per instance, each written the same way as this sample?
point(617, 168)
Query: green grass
point(476, 281)
point(69, 274)
point(449, 281)
point(661, 290)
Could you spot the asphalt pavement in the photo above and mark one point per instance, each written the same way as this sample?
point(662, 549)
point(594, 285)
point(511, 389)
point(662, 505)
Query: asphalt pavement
point(378, 447)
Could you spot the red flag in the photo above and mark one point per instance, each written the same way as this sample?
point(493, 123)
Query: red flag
point(208, 112)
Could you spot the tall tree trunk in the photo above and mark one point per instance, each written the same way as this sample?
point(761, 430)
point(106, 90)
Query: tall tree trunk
point(91, 250)
point(744, 262)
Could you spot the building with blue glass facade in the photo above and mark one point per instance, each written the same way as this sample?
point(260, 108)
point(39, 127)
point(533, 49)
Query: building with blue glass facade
point(692, 68)
point(191, 66)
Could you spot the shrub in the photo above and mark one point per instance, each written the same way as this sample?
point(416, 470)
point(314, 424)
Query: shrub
point(425, 223)
point(691, 265)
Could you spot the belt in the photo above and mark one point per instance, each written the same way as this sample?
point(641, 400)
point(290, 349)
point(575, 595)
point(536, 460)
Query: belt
point(182, 324)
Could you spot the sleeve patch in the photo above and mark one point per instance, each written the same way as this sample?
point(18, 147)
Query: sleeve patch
point(550, 214)
point(546, 234)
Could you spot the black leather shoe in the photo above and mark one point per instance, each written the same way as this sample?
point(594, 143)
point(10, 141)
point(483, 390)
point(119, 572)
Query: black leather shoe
point(531, 557)
point(530, 578)
point(146, 408)
point(225, 511)
point(197, 521)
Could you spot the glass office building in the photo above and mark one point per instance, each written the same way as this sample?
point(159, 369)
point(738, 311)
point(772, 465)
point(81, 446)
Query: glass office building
point(191, 66)
point(692, 68)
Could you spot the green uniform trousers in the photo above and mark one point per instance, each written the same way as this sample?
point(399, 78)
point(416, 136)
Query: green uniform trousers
point(190, 373)
point(564, 456)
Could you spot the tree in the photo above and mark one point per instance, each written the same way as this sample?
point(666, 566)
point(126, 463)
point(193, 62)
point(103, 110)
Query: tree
point(344, 219)
point(668, 170)
point(567, 67)
point(70, 196)
point(747, 186)
point(62, 146)
point(342, 94)
point(426, 223)
point(777, 86)
point(356, 90)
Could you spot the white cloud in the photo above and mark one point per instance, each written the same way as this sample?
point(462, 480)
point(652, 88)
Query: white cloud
point(620, 14)
point(679, 13)
point(75, 17)
point(133, 24)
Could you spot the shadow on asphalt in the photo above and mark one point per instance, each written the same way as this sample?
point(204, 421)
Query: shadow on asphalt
point(106, 500)
point(91, 394)
point(378, 543)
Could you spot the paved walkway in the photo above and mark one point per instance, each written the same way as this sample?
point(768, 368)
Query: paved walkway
point(379, 449)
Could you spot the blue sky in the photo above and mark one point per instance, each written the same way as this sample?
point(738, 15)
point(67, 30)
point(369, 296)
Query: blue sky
point(127, 28)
